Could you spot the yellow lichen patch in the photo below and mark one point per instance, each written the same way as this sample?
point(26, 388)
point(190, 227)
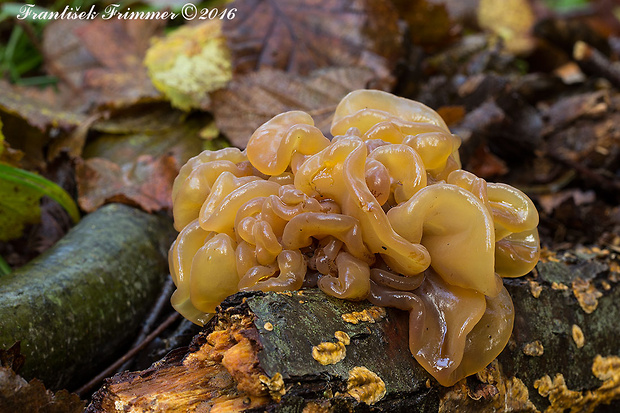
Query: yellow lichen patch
point(343, 337)
point(546, 255)
point(578, 336)
point(275, 385)
point(587, 295)
point(268, 326)
point(315, 407)
point(517, 397)
point(535, 289)
point(510, 395)
point(189, 63)
point(534, 349)
point(365, 386)
point(559, 286)
point(563, 399)
point(329, 353)
point(369, 315)
point(560, 397)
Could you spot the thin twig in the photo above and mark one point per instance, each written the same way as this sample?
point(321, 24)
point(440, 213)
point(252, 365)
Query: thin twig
point(147, 326)
point(130, 354)
point(596, 63)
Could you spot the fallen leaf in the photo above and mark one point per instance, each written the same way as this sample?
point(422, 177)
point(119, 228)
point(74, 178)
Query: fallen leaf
point(299, 36)
point(19, 206)
point(189, 63)
point(32, 117)
point(430, 23)
point(485, 164)
point(251, 100)
point(512, 20)
point(148, 184)
point(99, 62)
point(18, 395)
point(138, 157)
point(550, 202)
point(12, 358)
point(8, 156)
point(20, 193)
point(452, 115)
point(567, 110)
point(38, 113)
point(147, 118)
point(154, 130)
point(72, 143)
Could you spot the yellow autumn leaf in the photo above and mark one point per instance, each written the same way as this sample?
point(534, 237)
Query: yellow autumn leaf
point(189, 63)
point(511, 20)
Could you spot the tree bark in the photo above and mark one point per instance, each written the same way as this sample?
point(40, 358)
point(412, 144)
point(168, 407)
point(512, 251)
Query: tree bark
point(257, 354)
point(76, 304)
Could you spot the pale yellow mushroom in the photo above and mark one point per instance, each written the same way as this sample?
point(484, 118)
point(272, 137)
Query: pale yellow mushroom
point(300, 230)
point(213, 274)
point(193, 184)
point(436, 149)
point(222, 187)
point(383, 211)
point(512, 210)
point(405, 168)
point(488, 337)
point(338, 172)
point(292, 270)
point(517, 254)
point(456, 229)
point(180, 257)
point(221, 218)
point(378, 180)
point(440, 318)
point(352, 281)
point(272, 145)
point(470, 182)
point(515, 219)
point(363, 109)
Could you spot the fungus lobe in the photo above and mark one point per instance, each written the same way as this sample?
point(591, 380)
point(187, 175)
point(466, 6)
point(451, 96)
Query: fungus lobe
point(383, 211)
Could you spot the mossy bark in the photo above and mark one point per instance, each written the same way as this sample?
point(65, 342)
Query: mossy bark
point(73, 306)
point(286, 326)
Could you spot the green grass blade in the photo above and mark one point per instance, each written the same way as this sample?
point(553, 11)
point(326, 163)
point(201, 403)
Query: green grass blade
point(44, 186)
point(4, 267)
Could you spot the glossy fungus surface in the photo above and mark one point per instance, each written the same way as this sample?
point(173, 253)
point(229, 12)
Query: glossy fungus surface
point(383, 211)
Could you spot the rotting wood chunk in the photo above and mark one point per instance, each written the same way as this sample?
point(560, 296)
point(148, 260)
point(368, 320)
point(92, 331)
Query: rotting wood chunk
point(219, 374)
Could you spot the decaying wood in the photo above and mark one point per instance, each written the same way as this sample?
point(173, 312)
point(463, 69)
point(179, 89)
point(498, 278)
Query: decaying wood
point(304, 352)
point(76, 305)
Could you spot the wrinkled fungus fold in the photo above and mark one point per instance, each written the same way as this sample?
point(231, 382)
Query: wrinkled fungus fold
point(382, 211)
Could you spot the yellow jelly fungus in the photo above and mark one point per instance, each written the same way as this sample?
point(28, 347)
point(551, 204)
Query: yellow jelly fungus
point(381, 212)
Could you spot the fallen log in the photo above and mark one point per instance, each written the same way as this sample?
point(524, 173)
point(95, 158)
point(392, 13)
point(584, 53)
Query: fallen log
point(73, 306)
point(303, 351)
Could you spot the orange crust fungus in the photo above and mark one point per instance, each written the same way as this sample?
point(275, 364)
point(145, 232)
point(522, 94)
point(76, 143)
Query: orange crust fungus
point(381, 212)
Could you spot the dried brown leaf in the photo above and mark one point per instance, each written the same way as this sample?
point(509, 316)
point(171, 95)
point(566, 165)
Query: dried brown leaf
point(18, 395)
point(430, 23)
point(100, 61)
point(147, 184)
point(12, 358)
point(252, 100)
point(136, 157)
point(35, 109)
point(299, 36)
point(154, 130)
